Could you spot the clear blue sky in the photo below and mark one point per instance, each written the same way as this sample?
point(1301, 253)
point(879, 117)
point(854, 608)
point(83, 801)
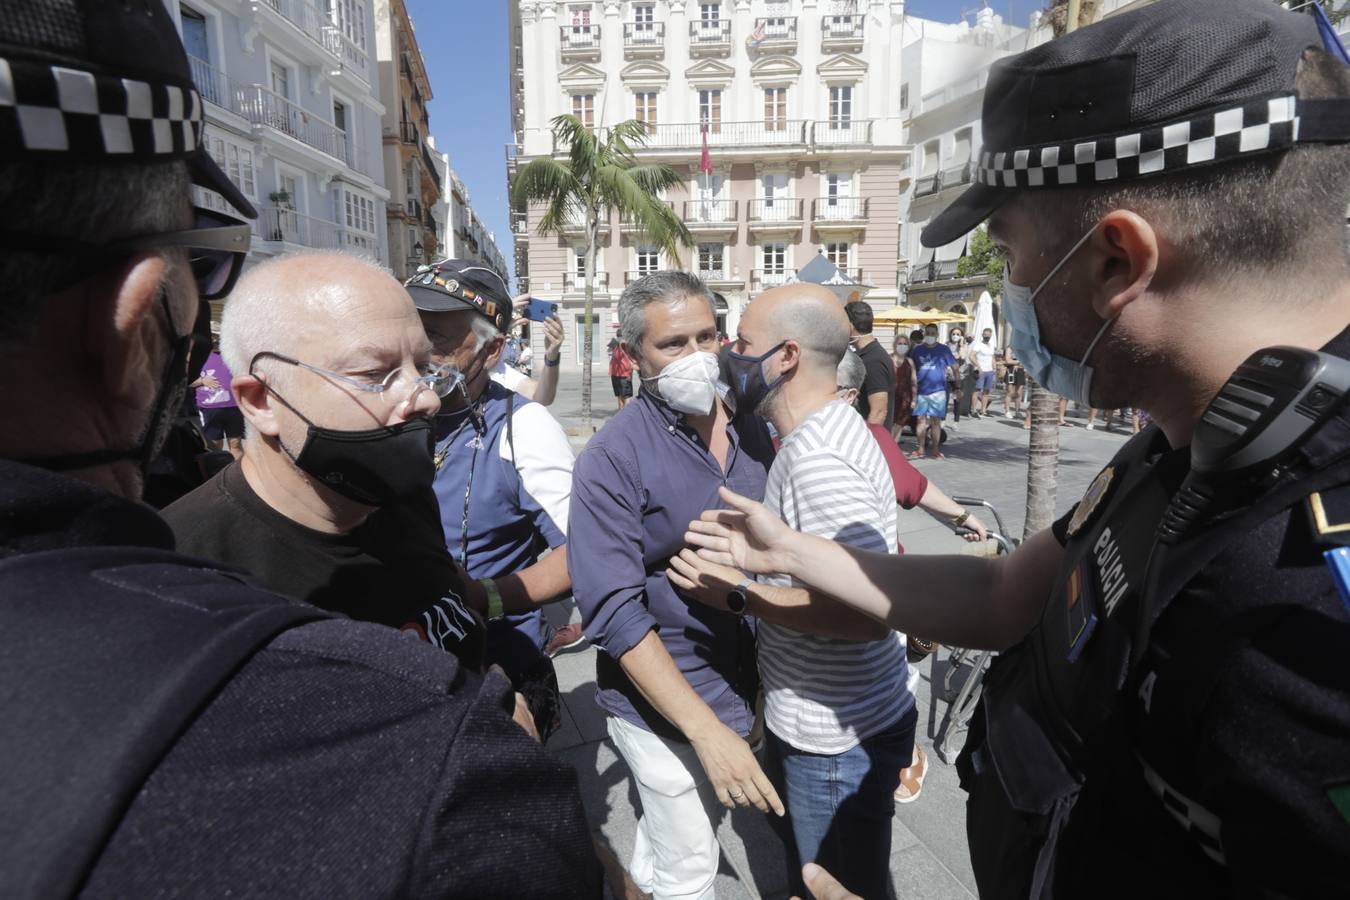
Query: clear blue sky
point(465, 47)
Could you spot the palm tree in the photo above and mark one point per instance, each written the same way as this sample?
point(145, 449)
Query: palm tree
point(1042, 459)
point(601, 174)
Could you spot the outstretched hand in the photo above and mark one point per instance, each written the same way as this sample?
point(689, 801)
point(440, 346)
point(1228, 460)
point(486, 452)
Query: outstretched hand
point(702, 579)
point(746, 536)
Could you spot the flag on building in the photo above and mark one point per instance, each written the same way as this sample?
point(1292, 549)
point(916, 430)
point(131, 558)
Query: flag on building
point(757, 36)
point(705, 161)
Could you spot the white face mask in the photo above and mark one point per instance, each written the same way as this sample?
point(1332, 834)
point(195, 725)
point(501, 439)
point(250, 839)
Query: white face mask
point(689, 384)
point(930, 339)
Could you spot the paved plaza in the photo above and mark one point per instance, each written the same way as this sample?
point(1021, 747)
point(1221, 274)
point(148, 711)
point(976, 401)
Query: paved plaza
point(984, 458)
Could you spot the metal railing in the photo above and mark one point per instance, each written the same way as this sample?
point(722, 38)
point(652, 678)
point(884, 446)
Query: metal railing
point(715, 33)
point(579, 38)
point(304, 16)
point(933, 270)
point(631, 276)
point(778, 209)
point(927, 184)
point(836, 209)
point(573, 282)
point(767, 278)
point(937, 181)
point(777, 28)
point(262, 107)
point(728, 134)
point(720, 273)
point(711, 212)
point(345, 49)
point(279, 224)
point(644, 35)
point(841, 29)
point(842, 131)
point(407, 132)
point(213, 85)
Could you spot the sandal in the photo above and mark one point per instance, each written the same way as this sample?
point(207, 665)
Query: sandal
point(911, 778)
point(914, 454)
point(919, 647)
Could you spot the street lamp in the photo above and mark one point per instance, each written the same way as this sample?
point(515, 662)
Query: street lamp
point(416, 259)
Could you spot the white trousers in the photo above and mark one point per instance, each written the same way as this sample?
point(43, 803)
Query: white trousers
point(676, 852)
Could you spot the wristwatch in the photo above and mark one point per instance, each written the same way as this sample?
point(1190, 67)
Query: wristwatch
point(737, 598)
point(552, 362)
point(961, 519)
point(494, 598)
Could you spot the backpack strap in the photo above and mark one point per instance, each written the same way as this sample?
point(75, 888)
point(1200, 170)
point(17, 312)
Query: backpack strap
point(111, 653)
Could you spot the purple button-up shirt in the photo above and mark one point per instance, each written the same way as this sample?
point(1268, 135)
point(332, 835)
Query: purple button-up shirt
point(635, 489)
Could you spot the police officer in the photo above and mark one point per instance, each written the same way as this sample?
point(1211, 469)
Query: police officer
point(169, 729)
point(1171, 715)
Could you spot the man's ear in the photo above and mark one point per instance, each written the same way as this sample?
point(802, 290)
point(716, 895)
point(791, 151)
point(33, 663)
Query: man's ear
point(499, 345)
point(1125, 252)
point(791, 355)
point(120, 334)
point(256, 404)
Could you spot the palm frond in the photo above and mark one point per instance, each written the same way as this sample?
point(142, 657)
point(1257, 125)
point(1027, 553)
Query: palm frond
point(582, 143)
point(655, 178)
point(615, 187)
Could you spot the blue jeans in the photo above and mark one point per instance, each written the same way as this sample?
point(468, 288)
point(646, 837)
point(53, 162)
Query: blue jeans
point(840, 806)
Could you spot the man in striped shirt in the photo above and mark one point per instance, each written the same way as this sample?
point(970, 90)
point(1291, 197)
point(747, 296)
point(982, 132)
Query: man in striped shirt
point(840, 720)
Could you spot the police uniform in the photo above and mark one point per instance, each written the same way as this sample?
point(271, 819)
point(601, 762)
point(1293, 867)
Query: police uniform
point(1177, 724)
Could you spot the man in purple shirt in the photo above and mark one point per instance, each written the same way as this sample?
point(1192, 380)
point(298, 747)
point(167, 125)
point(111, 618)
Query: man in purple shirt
point(678, 680)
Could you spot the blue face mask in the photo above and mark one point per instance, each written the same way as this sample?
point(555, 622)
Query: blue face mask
point(1054, 372)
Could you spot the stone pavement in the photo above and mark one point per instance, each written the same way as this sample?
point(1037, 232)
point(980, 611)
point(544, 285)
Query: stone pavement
point(984, 458)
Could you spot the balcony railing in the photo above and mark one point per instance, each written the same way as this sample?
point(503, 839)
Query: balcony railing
point(262, 107)
point(574, 282)
point(774, 132)
point(761, 279)
point(937, 181)
point(345, 49)
point(278, 224)
point(779, 209)
point(711, 212)
point(713, 35)
point(639, 36)
point(304, 16)
point(838, 32)
point(630, 276)
point(214, 87)
point(407, 133)
point(716, 273)
point(839, 209)
point(842, 132)
point(933, 270)
point(927, 184)
point(777, 29)
point(579, 40)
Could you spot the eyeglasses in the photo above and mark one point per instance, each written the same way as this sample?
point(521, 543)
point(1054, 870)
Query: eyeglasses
point(439, 379)
point(216, 245)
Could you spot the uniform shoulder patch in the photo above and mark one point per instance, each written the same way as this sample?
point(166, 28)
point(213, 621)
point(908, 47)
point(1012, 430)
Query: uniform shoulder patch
point(1092, 500)
point(1329, 515)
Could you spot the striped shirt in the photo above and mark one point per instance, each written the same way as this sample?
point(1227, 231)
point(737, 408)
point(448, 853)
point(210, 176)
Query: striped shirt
point(824, 695)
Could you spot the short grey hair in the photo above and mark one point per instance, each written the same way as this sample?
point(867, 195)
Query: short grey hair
point(851, 372)
point(91, 202)
point(662, 287)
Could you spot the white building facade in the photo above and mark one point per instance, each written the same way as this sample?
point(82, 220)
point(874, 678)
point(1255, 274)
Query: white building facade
point(460, 233)
point(293, 117)
point(802, 106)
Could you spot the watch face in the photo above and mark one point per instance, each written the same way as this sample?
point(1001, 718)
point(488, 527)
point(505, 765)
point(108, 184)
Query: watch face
point(736, 601)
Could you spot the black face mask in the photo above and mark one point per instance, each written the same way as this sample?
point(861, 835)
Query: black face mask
point(182, 368)
point(744, 374)
point(375, 466)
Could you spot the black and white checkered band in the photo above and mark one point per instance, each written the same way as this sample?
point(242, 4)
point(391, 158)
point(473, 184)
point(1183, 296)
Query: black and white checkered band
point(1258, 126)
point(54, 109)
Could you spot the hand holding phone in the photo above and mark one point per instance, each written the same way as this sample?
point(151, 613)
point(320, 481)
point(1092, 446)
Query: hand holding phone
point(539, 310)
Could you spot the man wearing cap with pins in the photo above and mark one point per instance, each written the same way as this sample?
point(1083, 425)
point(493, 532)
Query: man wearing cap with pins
point(1169, 715)
point(503, 477)
point(170, 728)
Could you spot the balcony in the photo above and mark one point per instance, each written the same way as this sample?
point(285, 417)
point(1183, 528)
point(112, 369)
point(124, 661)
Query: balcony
point(763, 279)
point(630, 277)
point(720, 277)
point(934, 182)
point(842, 133)
point(933, 270)
point(279, 225)
point(776, 34)
point(574, 224)
point(644, 40)
point(214, 87)
point(777, 214)
point(355, 61)
point(710, 38)
point(689, 135)
point(272, 111)
point(839, 212)
point(841, 34)
point(512, 160)
point(579, 42)
point(407, 133)
point(575, 284)
point(711, 216)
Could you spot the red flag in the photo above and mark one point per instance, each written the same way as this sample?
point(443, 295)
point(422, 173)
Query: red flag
point(705, 161)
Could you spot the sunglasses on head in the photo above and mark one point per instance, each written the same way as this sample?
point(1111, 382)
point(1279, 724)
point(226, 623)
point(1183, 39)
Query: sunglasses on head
point(216, 246)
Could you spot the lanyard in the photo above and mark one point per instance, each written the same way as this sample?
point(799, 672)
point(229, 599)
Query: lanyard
point(475, 417)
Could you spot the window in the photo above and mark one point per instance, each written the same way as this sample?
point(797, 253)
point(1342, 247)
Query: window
point(583, 107)
point(358, 211)
point(961, 148)
point(648, 260)
point(194, 35)
point(579, 263)
point(841, 105)
point(930, 158)
point(340, 115)
point(775, 109)
point(775, 192)
point(410, 181)
point(775, 259)
point(281, 80)
point(837, 253)
point(904, 96)
point(644, 107)
point(710, 14)
point(350, 18)
point(581, 20)
point(710, 261)
point(836, 186)
point(710, 110)
point(644, 14)
point(236, 161)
